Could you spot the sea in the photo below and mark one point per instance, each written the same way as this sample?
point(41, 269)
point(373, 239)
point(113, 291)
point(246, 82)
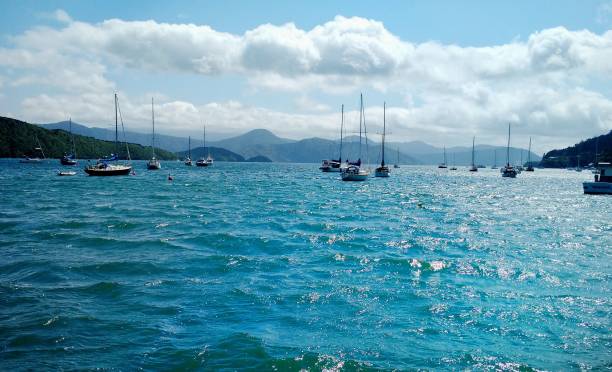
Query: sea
point(279, 267)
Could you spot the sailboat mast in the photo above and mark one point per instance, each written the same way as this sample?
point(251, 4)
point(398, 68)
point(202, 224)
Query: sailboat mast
point(494, 158)
point(529, 153)
point(341, 127)
point(508, 148)
point(384, 132)
point(72, 138)
point(189, 147)
point(596, 145)
point(153, 120)
point(445, 155)
point(360, 119)
point(116, 130)
point(473, 141)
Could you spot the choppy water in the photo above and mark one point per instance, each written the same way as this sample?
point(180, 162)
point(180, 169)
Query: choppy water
point(278, 266)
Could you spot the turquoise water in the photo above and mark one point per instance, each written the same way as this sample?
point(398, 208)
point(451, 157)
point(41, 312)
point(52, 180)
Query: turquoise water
point(278, 266)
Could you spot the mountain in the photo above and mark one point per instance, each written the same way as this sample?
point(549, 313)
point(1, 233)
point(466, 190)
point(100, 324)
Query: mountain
point(18, 138)
point(218, 154)
point(248, 144)
point(169, 143)
point(568, 157)
point(259, 159)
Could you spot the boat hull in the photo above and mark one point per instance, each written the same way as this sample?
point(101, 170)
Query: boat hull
point(111, 171)
point(30, 160)
point(70, 162)
point(64, 174)
point(597, 188)
point(354, 177)
point(381, 172)
point(202, 164)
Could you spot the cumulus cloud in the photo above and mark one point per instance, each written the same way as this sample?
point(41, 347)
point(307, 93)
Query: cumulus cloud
point(544, 84)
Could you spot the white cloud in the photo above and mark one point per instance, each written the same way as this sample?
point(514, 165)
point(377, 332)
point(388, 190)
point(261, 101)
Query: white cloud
point(544, 84)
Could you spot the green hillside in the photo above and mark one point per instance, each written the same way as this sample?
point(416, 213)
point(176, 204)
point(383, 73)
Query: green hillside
point(568, 157)
point(18, 139)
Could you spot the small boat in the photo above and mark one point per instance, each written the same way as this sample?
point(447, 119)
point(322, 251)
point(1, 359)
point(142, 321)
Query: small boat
point(578, 167)
point(153, 163)
point(603, 181)
point(34, 159)
point(383, 169)
point(70, 159)
point(443, 164)
point(202, 161)
point(105, 167)
point(354, 172)
point(335, 165)
point(396, 165)
point(473, 167)
point(188, 161)
point(453, 167)
point(66, 173)
point(508, 170)
point(494, 160)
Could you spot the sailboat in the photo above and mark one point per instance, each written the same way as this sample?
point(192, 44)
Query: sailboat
point(334, 165)
point(519, 168)
point(443, 165)
point(34, 159)
point(153, 164)
point(383, 170)
point(578, 167)
point(508, 170)
point(188, 161)
point(354, 172)
point(494, 160)
point(453, 167)
point(529, 165)
point(70, 159)
point(473, 168)
point(104, 167)
point(396, 165)
point(202, 161)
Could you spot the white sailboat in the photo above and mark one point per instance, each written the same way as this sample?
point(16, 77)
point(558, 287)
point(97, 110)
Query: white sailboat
point(70, 159)
point(494, 160)
point(508, 170)
point(453, 167)
point(34, 159)
point(578, 167)
point(202, 161)
point(354, 172)
point(188, 161)
point(153, 163)
point(473, 168)
point(383, 169)
point(396, 165)
point(443, 164)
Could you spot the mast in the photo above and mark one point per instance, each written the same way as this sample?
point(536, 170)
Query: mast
point(189, 147)
point(596, 145)
point(72, 138)
point(508, 148)
point(341, 126)
point(384, 132)
point(360, 119)
point(398, 155)
point(153, 120)
point(116, 130)
point(494, 158)
point(473, 141)
point(529, 154)
point(445, 155)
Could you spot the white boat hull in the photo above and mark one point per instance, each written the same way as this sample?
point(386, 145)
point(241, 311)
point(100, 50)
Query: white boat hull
point(597, 188)
point(354, 176)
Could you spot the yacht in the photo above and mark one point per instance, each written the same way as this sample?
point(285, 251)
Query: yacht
point(508, 170)
point(443, 164)
point(354, 171)
point(202, 161)
point(453, 167)
point(383, 169)
point(188, 161)
point(396, 165)
point(153, 163)
point(34, 159)
point(335, 165)
point(529, 165)
point(473, 167)
point(603, 181)
point(70, 159)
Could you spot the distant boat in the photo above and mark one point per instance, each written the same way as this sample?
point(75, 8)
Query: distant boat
point(383, 169)
point(153, 164)
point(34, 159)
point(104, 167)
point(202, 161)
point(334, 165)
point(473, 168)
point(443, 164)
point(70, 159)
point(603, 181)
point(188, 161)
point(453, 167)
point(354, 172)
point(66, 173)
point(494, 160)
point(508, 170)
point(519, 168)
point(396, 165)
point(529, 165)
point(578, 167)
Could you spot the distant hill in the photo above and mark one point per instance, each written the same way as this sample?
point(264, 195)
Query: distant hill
point(18, 139)
point(250, 143)
point(568, 157)
point(169, 143)
point(259, 159)
point(218, 154)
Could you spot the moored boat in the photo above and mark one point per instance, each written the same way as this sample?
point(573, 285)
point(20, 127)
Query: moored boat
point(70, 159)
point(508, 170)
point(335, 165)
point(602, 183)
point(383, 169)
point(354, 172)
point(153, 163)
point(529, 167)
point(188, 161)
point(443, 164)
point(34, 159)
point(473, 167)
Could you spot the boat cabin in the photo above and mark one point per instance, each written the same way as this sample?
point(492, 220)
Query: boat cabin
point(605, 173)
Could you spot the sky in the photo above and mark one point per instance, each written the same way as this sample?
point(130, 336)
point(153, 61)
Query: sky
point(447, 70)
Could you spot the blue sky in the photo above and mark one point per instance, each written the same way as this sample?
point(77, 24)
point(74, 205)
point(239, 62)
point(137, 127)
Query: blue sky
point(446, 68)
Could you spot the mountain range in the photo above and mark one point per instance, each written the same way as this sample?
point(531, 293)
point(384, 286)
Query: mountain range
point(261, 142)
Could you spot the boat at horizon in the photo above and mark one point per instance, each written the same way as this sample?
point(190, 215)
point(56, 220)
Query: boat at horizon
point(473, 168)
point(383, 169)
point(153, 163)
point(70, 159)
point(508, 170)
point(354, 172)
point(335, 165)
